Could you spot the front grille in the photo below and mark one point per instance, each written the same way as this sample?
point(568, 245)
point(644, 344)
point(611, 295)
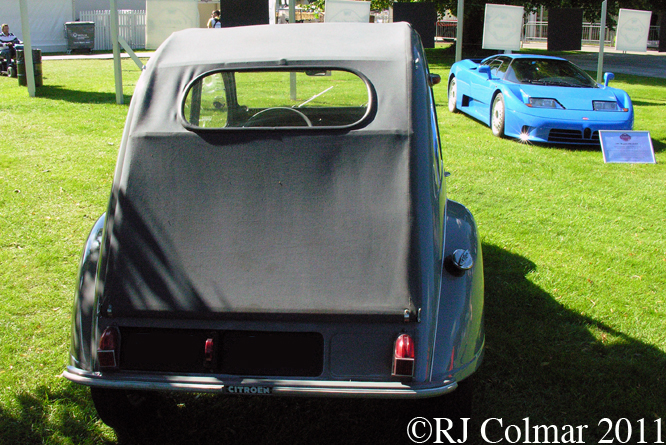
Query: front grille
point(558, 135)
point(562, 136)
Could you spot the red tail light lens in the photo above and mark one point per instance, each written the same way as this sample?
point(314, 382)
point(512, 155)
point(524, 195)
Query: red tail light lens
point(209, 352)
point(109, 349)
point(403, 356)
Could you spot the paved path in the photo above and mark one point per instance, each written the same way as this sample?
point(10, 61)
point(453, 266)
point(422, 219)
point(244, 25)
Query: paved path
point(648, 64)
point(140, 54)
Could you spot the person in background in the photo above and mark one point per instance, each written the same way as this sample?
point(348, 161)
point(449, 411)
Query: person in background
point(7, 42)
point(214, 21)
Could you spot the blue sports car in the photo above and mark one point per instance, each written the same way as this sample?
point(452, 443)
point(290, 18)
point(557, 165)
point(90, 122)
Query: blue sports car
point(538, 99)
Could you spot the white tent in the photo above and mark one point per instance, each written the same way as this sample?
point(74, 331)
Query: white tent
point(47, 22)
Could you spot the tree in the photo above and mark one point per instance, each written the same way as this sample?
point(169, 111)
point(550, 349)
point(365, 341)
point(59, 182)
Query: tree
point(375, 5)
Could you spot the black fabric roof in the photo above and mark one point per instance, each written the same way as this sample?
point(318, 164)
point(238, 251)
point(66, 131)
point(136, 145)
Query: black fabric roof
point(261, 221)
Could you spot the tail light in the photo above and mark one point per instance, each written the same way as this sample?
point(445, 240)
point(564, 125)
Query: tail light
point(209, 352)
point(109, 349)
point(403, 356)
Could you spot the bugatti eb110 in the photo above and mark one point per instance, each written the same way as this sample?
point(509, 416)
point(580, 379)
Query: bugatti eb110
point(538, 99)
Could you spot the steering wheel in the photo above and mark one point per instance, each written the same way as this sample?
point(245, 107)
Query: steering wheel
point(263, 119)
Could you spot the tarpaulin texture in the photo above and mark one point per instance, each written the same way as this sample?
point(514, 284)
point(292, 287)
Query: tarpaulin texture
point(264, 221)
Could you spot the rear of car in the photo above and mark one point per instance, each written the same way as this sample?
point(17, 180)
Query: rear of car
point(255, 246)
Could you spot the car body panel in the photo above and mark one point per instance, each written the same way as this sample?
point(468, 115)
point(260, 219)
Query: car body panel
point(476, 89)
point(326, 240)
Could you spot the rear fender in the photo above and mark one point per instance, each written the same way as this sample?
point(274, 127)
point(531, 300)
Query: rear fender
point(84, 299)
point(460, 337)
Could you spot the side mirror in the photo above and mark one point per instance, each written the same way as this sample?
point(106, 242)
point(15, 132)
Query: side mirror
point(435, 79)
point(484, 69)
point(608, 77)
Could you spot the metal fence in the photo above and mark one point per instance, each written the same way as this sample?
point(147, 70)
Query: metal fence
point(446, 30)
point(537, 31)
point(131, 27)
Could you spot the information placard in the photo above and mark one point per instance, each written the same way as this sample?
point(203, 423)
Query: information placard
point(164, 17)
point(502, 27)
point(633, 147)
point(632, 30)
point(347, 11)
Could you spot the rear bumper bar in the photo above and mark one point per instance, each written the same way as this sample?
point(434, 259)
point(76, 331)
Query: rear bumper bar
point(210, 384)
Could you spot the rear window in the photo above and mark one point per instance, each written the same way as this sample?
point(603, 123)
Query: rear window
point(276, 99)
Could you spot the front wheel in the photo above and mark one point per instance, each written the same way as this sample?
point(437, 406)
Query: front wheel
point(497, 116)
point(453, 95)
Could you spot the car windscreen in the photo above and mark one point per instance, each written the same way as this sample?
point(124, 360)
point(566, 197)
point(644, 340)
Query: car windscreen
point(551, 72)
point(276, 99)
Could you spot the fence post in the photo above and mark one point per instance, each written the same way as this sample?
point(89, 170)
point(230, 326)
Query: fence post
point(117, 69)
point(459, 29)
point(602, 41)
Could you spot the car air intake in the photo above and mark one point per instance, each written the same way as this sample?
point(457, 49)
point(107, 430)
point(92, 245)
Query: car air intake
point(563, 136)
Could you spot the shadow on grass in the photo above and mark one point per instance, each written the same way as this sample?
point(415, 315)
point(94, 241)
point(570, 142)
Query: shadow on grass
point(543, 362)
point(659, 146)
point(556, 366)
point(56, 92)
point(642, 103)
point(46, 416)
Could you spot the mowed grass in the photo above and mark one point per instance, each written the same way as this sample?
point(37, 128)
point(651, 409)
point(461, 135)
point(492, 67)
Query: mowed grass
point(574, 255)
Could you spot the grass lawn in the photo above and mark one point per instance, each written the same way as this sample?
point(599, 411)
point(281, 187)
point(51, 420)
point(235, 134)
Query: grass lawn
point(574, 256)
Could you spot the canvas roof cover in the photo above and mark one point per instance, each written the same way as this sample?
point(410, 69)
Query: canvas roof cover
point(265, 221)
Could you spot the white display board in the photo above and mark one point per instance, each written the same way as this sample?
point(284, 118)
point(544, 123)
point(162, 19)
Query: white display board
point(502, 27)
point(164, 17)
point(633, 27)
point(47, 20)
point(347, 11)
point(633, 147)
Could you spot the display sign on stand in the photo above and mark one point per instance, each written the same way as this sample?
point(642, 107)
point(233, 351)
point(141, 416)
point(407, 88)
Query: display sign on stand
point(633, 28)
point(347, 11)
point(164, 17)
point(502, 27)
point(632, 147)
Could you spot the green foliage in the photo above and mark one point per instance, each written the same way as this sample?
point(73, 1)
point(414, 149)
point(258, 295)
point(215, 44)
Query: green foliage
point(375, 5)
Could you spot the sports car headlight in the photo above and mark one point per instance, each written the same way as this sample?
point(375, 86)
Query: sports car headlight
point(603, 105)
point(540, 102)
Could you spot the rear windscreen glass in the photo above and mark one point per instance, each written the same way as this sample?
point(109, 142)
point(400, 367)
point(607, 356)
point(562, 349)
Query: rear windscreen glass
point(276, 99)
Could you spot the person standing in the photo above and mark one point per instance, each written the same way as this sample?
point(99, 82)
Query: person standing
point(214, 21)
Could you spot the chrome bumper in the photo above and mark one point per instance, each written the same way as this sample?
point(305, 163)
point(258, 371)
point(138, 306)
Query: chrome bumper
point(209, 384)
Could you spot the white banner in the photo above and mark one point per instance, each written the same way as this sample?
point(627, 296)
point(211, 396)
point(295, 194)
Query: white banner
point(633, 28)
point(164, 17)
point(347, 11)
point(502, 27)
point(47, 22)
